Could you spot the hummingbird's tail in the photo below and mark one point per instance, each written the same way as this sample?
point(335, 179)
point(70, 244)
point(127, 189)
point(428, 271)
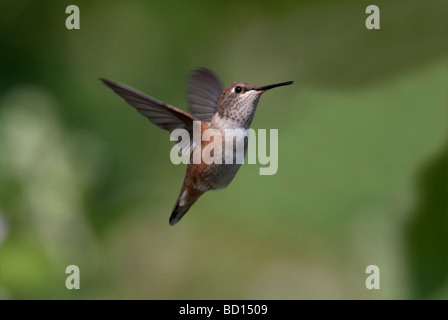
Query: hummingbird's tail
point(187, 198)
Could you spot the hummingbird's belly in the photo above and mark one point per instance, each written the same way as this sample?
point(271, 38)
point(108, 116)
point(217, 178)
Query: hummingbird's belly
point(222, 175)
point(219, 175)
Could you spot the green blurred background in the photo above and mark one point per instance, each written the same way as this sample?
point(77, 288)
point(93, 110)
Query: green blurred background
point(362, 177)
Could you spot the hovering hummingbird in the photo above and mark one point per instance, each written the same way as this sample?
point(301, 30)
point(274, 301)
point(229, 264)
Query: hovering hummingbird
point(215, 108)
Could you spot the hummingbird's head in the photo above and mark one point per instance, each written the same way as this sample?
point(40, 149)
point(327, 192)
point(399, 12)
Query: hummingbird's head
point(239, 101)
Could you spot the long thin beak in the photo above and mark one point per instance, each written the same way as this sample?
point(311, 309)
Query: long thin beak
point(264, 88)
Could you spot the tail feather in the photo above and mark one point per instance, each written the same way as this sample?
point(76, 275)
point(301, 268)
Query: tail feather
point(184, 202)
point(178, 213)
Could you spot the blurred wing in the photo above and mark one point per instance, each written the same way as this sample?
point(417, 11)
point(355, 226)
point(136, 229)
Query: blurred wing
point(204, 90)
point(164, 116)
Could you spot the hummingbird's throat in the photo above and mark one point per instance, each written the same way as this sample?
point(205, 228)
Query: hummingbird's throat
point(237, 112)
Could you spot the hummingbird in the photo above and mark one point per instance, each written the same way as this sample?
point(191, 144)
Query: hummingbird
point(215, 108)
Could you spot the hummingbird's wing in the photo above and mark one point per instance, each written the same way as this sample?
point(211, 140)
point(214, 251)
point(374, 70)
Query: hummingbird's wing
point(164, 116)
point(204, 90)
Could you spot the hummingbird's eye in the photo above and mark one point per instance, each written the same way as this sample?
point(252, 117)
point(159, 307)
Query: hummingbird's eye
point(238, 89)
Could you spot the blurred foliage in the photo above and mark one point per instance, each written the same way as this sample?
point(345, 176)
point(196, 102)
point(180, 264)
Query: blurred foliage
point(85, 180)
point(427, 236)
